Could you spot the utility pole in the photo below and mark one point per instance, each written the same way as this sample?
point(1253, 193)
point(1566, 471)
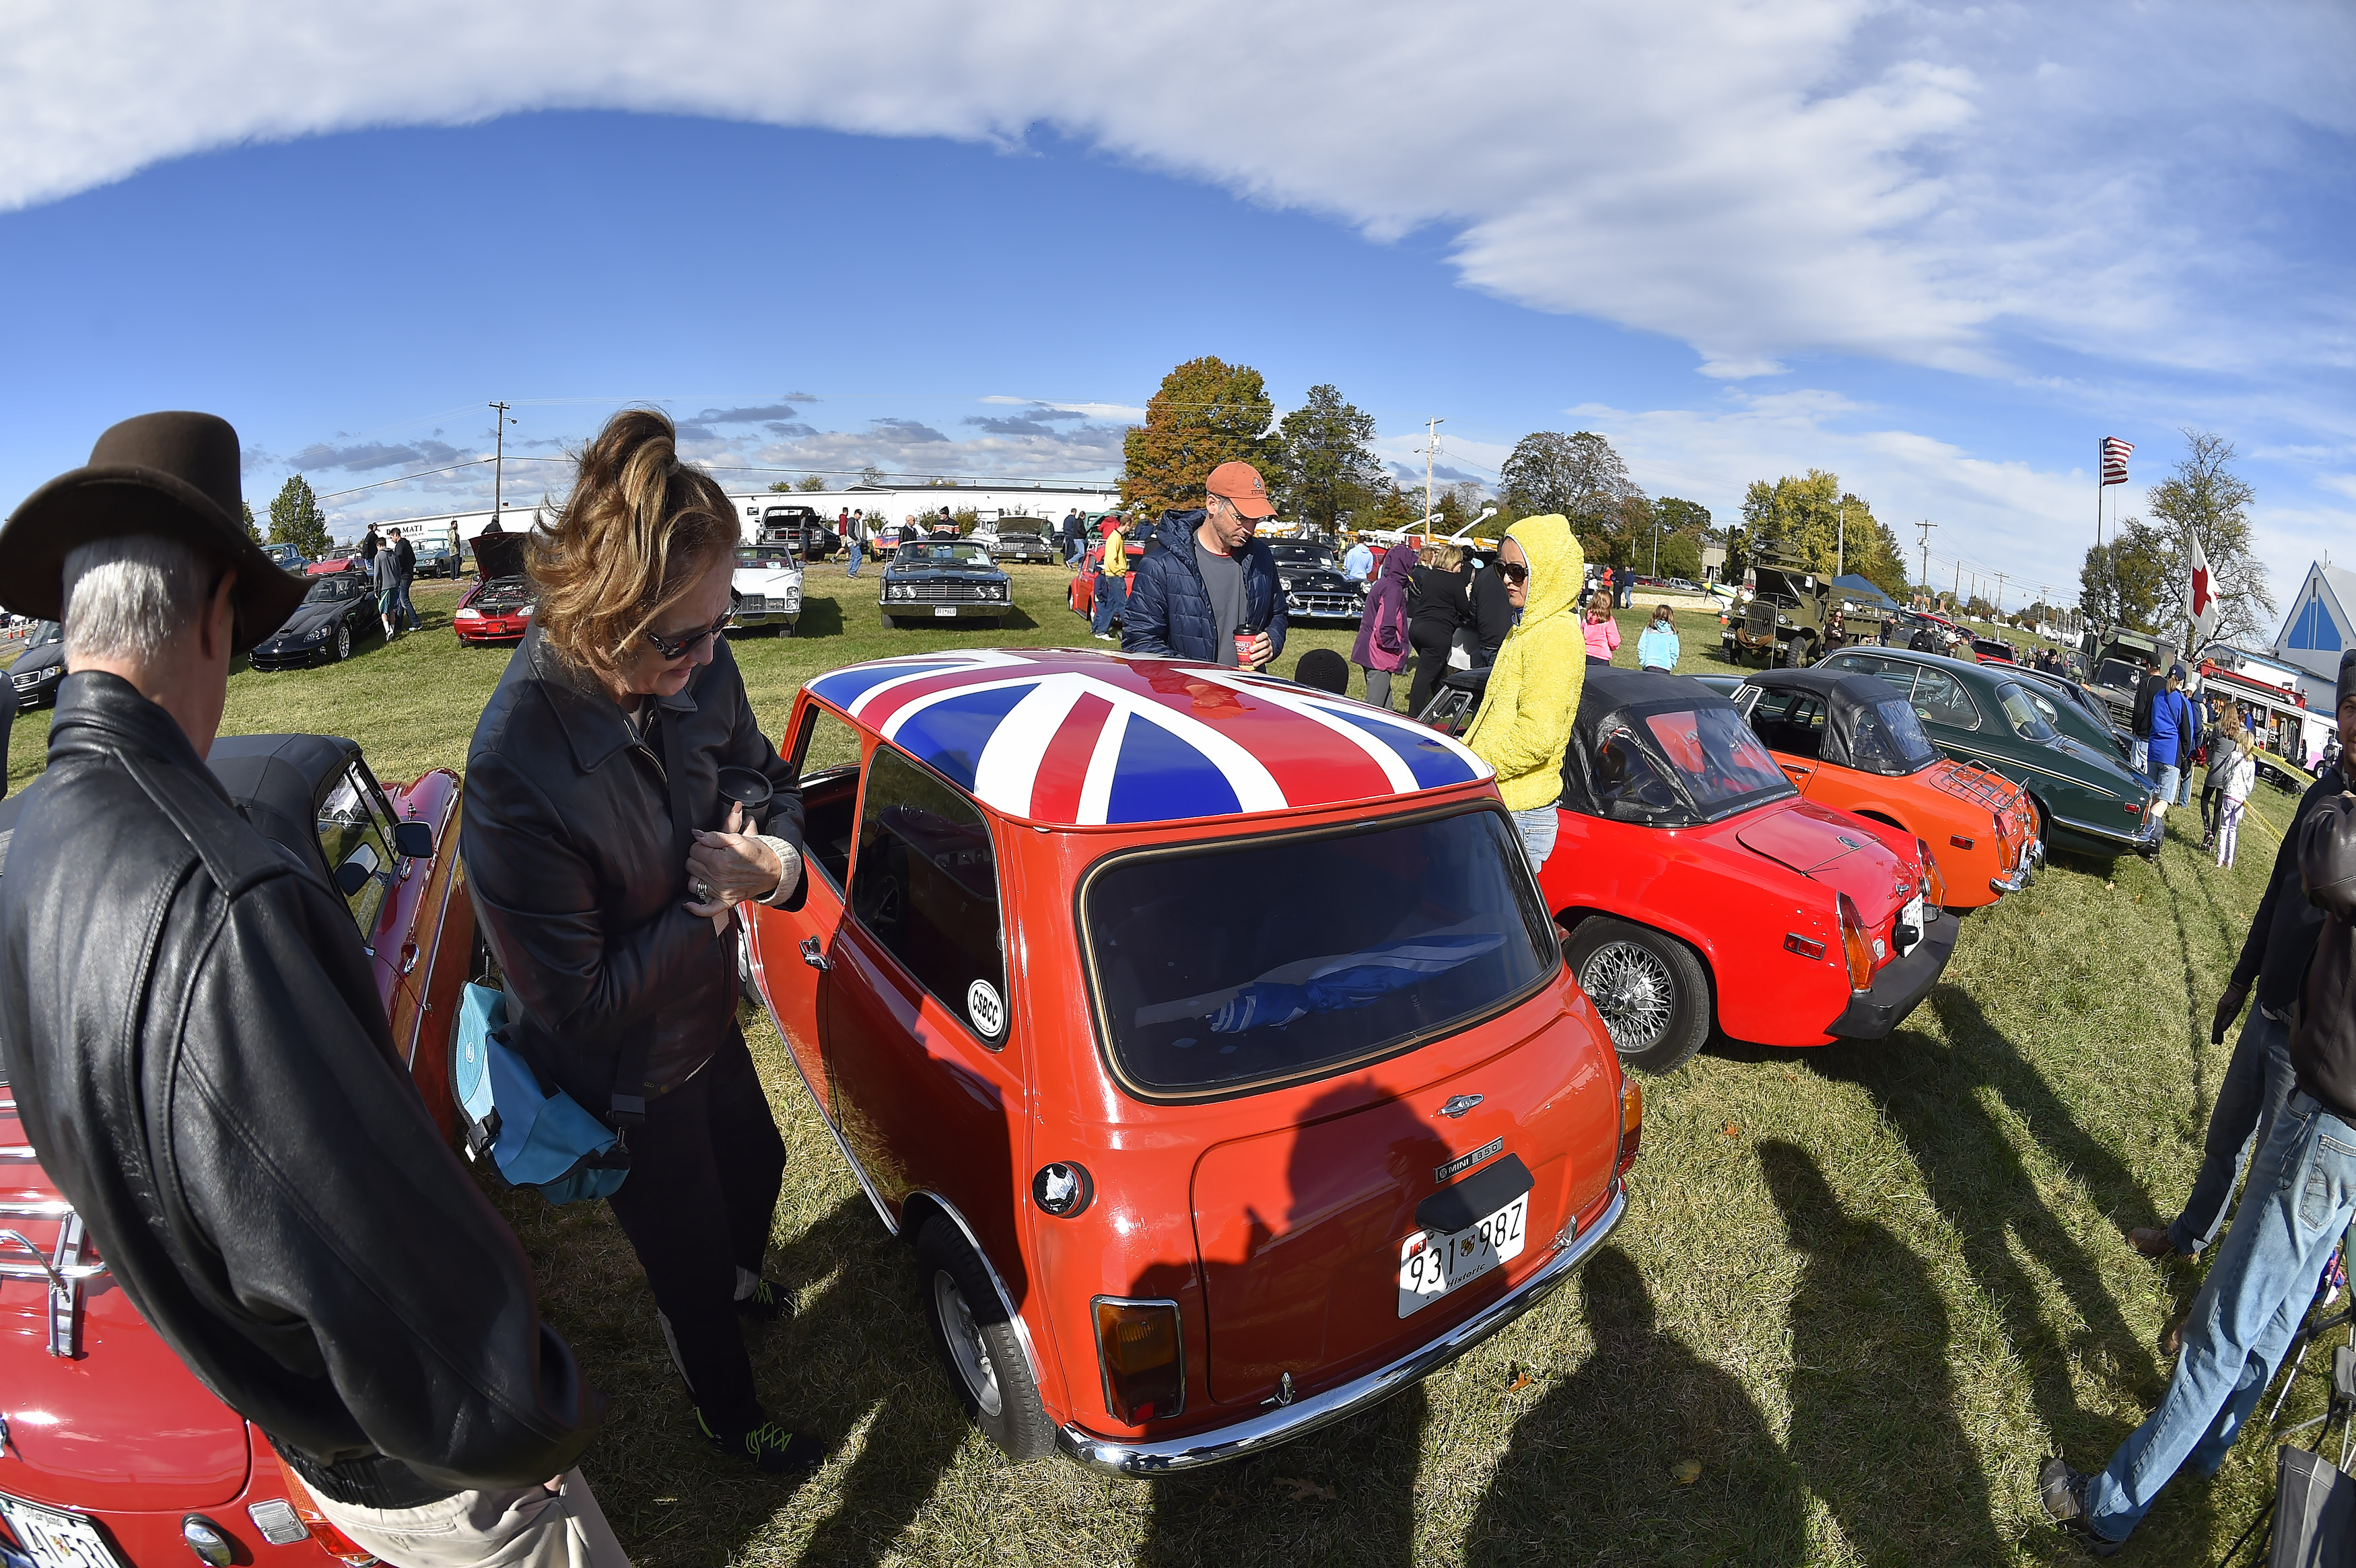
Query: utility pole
point(1926, 526)
point(1955, 596)
point(1840, 538)
point(1999, 595)
point(499, 422)
point(1431, 446)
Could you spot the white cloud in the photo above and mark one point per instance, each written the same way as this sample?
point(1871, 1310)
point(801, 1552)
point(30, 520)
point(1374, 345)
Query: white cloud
point(1933, 184)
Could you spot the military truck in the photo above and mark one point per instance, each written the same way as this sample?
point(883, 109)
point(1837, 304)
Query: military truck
point(1784, 620)
point(2114, 661)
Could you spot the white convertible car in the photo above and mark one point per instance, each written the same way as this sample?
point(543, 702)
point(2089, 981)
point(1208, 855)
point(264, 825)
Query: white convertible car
point(767, 588)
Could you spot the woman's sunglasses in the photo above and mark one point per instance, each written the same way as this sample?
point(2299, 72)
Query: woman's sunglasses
point(680, 647)
point(1513, 573)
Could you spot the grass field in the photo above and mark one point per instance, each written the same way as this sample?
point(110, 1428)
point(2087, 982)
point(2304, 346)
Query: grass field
point(1864, 1289)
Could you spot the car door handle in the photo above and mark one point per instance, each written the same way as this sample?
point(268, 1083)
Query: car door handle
point(815, 956)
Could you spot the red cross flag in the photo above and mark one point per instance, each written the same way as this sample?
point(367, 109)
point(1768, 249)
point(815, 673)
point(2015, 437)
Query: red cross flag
point(2204, 597)
point(2115, 459)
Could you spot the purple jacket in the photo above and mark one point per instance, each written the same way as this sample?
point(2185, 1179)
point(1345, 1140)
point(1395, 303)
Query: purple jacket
point(1386, 609)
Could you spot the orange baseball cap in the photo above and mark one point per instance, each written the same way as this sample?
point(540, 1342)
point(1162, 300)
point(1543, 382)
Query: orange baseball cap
point(1241, 483)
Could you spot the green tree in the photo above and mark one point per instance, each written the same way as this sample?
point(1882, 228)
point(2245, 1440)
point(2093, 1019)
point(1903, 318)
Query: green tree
point(1323, 470)
point(295, 518)
point(810, 482)
point(253, 530)
point(1831, 530)
point(779, 487)
point(1578, 475)
point(2202, 499)
point(1207, 412)
point(2124, 581)
point(1681, 556)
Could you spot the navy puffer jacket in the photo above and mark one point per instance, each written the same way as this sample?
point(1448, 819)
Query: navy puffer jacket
point(1169, 611)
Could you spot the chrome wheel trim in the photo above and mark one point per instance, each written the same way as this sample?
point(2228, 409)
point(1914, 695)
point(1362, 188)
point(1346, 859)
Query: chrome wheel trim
point(966, 1348)
point(1635, 992)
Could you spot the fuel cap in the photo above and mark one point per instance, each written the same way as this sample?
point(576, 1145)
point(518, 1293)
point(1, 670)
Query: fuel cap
point(1063, 1190)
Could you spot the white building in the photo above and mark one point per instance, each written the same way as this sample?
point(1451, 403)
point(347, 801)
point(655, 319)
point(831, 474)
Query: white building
point(2319, 627)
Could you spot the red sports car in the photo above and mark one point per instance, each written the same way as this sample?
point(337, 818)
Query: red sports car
point(497, 609)
point(1700, 891)
point(1202, 1031)
point(112, 1454)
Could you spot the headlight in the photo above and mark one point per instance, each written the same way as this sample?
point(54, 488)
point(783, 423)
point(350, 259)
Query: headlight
point(791, 599)
point(523, 609)
point(469, 613)
point(1284, 582)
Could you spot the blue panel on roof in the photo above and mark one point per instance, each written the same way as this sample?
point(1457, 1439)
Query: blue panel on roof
point(950, 734)
point(1160, 778)
point(2315, 629)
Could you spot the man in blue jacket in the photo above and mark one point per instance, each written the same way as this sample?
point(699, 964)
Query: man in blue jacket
point(1214, 585)
point(2171, 725)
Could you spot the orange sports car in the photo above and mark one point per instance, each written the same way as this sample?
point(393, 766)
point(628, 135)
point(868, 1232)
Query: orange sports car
point(1851, 743)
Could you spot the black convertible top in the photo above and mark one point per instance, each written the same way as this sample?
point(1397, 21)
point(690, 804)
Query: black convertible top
point(1610, 699)
point(1850, 700)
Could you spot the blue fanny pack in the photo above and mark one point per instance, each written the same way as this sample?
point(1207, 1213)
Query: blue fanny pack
point(534, 1135)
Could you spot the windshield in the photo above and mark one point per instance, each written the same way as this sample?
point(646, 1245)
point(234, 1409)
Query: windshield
point(333, 590)
point(754, 556)
point(1890, 738)
point(943, 554)
point(1223, 968)
point(43, 634)
point(1716, 757)
point(1303, 555)
point(2118, 673)
point(2022, 714)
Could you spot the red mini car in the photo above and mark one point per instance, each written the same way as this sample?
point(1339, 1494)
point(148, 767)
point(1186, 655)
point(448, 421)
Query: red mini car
point(497, 609)
point(112, 1453)
point(1205, 1032)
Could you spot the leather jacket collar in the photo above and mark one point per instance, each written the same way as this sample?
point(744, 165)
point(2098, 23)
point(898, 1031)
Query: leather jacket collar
point(102, 711)
point(593, 725)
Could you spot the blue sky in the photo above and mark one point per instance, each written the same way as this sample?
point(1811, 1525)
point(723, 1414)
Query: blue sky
point(1929, 249)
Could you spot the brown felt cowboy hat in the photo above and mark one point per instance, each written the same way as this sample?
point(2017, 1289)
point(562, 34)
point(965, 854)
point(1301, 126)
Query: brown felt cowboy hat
point(172, 475)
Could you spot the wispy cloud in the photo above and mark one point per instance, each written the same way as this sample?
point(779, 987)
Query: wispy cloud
point(367, 457)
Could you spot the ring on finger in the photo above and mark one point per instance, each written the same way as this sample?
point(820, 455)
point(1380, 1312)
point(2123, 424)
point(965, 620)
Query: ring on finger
point(703, 890)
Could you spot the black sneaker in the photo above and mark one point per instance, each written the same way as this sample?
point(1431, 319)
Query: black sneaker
point(768, 1447)
point(767, 1303)
point(2063, 1492)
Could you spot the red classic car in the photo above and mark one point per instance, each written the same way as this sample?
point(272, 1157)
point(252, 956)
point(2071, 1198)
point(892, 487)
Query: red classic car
point(497, 609)
point(1082, 591)
point(1699, 890)
point(1205, 1033)
point(112, 1453)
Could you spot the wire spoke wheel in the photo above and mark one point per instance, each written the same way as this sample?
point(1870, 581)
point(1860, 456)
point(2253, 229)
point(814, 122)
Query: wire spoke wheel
point(1635, 992)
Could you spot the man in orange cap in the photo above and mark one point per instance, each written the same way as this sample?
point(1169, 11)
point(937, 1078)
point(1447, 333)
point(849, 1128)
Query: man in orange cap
point(1213, 596)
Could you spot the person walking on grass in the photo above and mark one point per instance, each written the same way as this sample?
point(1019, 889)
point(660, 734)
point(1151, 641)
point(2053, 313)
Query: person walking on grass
point(1358, 560)
point(854, 540)
point(1602, 628)
point(1211, 592)
point(1112, 577)
point(1656, 646)
point(2233, 794)
point(2302, 1194)
point(2147, 694)
point(385, 580)
point(313, 1249)
point(1522, 729)
point(1382, 648)
point(404, 573)
point(2170, 731)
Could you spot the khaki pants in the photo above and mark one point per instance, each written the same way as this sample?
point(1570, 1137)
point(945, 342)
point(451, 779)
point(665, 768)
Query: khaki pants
point(525, 1527)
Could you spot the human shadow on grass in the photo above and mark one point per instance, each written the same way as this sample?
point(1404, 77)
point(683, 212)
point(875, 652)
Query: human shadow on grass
point(1874, 1428)
point(1591, 1472)
point(1982, 1187)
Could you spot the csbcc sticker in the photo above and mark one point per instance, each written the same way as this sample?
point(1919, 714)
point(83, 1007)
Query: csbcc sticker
point(983, 1006)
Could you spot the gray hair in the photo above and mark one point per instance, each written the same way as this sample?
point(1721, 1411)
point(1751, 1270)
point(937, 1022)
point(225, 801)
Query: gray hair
point(129, 596)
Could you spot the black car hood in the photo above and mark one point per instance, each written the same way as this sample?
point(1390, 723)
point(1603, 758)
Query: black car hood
point(498, 555)
point(41, 658)
point(309, 618)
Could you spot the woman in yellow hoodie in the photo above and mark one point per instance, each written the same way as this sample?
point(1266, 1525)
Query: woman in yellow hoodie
point(1523, 728)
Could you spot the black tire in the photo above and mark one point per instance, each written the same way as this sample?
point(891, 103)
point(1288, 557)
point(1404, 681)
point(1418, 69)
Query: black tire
point(343, 641)
point(1651, 989)
point(892, 622)
point(978, 1345)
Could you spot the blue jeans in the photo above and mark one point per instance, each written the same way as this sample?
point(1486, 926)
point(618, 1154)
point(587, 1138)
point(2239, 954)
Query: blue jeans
point(1112, 593)
point(2139, 756)
point(2301, 1194)
point(2257, 1081)
point(1539, 827)
point(854, 558)
point(404, 613)
point(2184, 782)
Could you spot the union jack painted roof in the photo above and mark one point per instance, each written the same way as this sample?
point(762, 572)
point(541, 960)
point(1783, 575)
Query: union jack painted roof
point(1080, 738)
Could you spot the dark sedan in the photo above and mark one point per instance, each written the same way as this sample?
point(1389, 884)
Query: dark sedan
point(1314, 586)
point(336, 615)
point(944, 579)
point(41, 667)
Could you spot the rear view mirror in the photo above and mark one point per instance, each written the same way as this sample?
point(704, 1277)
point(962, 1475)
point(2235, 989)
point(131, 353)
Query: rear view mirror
point(414, 840)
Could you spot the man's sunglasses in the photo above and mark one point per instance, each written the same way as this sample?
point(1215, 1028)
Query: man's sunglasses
point(680, 647)
point(1512, 572)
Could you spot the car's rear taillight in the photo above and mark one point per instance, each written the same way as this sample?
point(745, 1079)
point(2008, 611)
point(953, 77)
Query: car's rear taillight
point(321, 1528)
point(1144, 1367)
point(1934, 886)
point(1632, 1121)
point(1855, 944)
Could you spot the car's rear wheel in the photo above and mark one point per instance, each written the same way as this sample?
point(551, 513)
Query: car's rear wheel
point(978, 1344)
point(343, 641)
point(1650, 989)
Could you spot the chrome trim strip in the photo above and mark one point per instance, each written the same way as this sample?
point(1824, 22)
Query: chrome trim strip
point(1021, 1329)
point(759, 972)
point(1306, 1415)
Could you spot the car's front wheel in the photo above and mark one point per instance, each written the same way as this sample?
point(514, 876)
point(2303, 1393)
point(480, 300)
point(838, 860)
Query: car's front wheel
point(1650, 989)
point(978, 1344)
point(343, 641)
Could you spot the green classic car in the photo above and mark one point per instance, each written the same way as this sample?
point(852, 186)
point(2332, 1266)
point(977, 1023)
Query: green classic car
point(2085, 800)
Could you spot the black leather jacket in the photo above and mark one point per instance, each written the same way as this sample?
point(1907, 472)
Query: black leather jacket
point(204, 1067)
point(576, 883)
point(2323, 1036)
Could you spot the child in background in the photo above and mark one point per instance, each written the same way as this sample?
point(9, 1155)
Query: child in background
point(1656, 645)
point(1602, 633)
point(2240, 772)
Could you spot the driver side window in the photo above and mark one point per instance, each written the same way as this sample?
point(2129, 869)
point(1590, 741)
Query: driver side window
point(1627, 785)
point(355, 840)
point(1941, 698)
point(825, 763)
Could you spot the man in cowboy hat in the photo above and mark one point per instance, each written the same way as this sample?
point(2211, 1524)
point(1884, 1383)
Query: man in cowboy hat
point(203, 1065)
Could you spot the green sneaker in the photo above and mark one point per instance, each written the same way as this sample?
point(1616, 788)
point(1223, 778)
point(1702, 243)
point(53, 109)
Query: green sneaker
point(768, 1302)
point(768, 1447)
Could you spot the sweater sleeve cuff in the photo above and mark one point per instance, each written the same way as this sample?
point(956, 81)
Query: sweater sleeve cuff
point(791, 859)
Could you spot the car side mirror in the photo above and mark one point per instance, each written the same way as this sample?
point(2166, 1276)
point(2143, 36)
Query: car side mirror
point(414, 840)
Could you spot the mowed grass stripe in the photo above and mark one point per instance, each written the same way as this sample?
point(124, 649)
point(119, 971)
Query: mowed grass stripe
point(1864, 1288)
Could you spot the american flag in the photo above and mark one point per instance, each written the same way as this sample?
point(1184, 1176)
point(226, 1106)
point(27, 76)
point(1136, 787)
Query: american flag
point(2115, 459)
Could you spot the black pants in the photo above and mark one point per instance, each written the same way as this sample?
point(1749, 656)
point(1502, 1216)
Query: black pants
point(1430, 644)
point(703, 1189)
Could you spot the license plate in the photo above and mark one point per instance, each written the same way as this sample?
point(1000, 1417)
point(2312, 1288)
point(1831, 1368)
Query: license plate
point(949, 610)
point(57, 1539)
point(1432, 1265)
point(1912, 915)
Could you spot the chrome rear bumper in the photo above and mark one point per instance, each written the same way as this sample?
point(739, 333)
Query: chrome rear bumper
point(1124, 1457)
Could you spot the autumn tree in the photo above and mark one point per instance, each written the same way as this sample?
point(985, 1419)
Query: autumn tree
point(2124, 581)
point(1205, 413)
point(295, 519)
point(2202, 499)
point(1578, 475)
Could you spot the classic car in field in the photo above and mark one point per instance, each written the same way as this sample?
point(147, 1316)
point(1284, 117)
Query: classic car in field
point(943, 580)
point(436, 559)
point(1698, 887)
point(1030, 540)
point(2114, 661)
point(497, 609)
point(2084, 799)
point(1992, 650)
point(288, 558)
point(37, 670)
point(2073, 710)
point(1082, 593)
point(767, 589)
point(115, 1455)
point(337, 613)
point(1314, 584)
point(1203, 1032)
point(1847, 740)
point(798, 528)
point(343, 558)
